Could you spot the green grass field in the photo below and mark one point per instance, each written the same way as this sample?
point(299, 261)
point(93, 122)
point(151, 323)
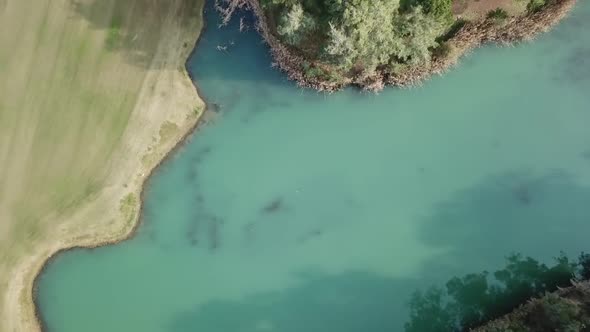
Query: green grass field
point(70, 75)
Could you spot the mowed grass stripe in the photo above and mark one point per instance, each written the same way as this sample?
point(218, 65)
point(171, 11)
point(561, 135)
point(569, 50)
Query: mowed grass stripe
point(70, 76)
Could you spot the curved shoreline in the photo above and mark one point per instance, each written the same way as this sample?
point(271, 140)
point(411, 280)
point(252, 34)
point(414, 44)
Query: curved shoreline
point(484, 32)
point(136, 223)
point(471, 36)
point(129, 233)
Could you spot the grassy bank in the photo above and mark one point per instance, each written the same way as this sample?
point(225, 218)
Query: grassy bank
point(86, 89)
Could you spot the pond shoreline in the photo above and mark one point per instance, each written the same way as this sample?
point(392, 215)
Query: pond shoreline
point(529, 313)
point(468, 38)
point(131, 229)
point(169, 149)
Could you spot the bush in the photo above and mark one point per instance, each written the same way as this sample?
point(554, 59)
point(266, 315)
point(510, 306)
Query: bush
point(443, 50)
point(584, 271)
point(294, 23)
point(453, 30)
point(497, 14)
point(535, 5)
point(472, 300)
point(441, 9)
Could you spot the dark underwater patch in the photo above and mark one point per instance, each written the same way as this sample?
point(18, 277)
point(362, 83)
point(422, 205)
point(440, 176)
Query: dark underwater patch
point(274, 206)
point(214, 233)
point(310, 235)
point(522, 193)
point(192, 233)
point(577, 66)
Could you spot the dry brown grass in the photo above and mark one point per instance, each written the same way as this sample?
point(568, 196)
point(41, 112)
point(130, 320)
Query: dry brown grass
point(476, 9)
point(86, 86)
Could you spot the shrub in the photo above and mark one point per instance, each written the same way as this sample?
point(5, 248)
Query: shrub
point(584, 271)
point(453, 30)
point(294, 24)
point(535, 5)
point(443, 50)
point(497, 14)
point(441, 9)
point(113, 34)
point(313, 72)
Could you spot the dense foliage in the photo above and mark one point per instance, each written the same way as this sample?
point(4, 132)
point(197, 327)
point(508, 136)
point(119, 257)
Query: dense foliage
point(360, 36)
point(469, 301)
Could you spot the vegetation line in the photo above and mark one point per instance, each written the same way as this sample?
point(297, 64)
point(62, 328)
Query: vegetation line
point(131, 208)
point(333, 64)
point(125, 235)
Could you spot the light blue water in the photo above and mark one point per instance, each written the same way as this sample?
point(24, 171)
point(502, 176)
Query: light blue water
point(298, 211)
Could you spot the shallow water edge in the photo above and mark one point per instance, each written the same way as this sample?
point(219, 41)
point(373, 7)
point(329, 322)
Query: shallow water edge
point(468, 38)
point(134, 224)
point(399, 139)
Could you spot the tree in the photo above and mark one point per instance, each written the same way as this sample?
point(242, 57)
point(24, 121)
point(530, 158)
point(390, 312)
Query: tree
point(473, 299)
point(294, 24)
point(418, 33)
point(584, 269)
point(429, 314)
point(364, 35)
point(441, 9)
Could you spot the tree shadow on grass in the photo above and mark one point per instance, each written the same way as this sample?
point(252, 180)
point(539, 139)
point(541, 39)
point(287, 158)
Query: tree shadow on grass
point(516, 212)
point(348, 302)
point(135, 28)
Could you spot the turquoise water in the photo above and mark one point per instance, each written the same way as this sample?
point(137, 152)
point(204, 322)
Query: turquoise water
point(298, 211)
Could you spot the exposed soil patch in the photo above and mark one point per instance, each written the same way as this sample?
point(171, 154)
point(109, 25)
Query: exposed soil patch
point(477, 9)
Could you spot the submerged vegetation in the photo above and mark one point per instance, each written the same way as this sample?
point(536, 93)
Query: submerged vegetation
point(474, 299)
point(327, 44)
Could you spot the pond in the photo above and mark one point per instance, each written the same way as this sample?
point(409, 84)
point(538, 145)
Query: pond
point(299, 211)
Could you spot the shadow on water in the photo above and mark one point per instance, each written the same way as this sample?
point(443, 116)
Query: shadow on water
point(349, 302)
point(476, 298)
point(519, 211)
point(235, 67)
point(136, 27)
point(243, 55)
point(578, 20)
point(362, 301)
point(576, 63)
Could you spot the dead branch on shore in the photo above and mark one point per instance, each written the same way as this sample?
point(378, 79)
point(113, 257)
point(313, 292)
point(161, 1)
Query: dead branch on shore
point(243, 26)
point(227, 8)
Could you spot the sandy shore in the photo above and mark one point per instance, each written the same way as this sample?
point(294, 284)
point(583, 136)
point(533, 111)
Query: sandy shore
point(167, 110)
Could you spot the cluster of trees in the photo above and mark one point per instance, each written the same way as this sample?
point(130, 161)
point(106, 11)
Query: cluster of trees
point(362, 35)
point(474, 299)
